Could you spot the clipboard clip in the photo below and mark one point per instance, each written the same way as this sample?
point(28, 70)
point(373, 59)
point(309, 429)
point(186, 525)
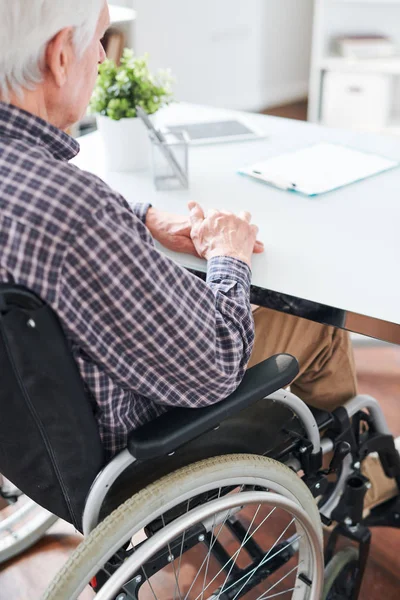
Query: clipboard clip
point(278, 183)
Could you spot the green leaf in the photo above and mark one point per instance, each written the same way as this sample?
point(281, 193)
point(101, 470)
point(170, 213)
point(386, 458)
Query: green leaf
point(119, 89)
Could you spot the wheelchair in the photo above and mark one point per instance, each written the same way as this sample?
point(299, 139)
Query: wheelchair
point(224, 502)
point(22, 521)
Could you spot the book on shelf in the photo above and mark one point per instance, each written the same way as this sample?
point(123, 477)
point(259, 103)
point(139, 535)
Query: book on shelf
point(365, 46)
point(114, 43)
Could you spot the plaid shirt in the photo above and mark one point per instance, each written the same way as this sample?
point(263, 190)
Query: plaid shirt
point(145, 333)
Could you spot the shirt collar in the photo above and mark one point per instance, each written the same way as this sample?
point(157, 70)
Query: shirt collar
point(19, 124)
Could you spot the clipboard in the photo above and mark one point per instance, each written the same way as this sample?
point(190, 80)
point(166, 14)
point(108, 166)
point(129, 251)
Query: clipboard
point(318, 169)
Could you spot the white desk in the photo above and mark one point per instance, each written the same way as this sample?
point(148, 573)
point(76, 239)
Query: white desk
point(340, 250)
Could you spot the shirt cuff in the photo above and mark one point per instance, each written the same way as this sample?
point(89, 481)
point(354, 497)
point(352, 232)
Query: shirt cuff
point(140, 211)
point(224, 267)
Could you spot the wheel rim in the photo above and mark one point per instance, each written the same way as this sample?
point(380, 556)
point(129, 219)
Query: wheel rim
point(307, 574)
point(23, 524)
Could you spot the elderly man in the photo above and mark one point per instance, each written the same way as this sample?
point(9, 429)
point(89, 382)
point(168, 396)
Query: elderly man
point(145, 333)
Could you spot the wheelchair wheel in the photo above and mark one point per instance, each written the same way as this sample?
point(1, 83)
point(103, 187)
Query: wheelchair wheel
point(340, 575)
point(22, 523)
point(237, 526)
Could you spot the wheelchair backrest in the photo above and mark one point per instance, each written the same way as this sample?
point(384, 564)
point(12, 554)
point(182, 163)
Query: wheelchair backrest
point(49, 442)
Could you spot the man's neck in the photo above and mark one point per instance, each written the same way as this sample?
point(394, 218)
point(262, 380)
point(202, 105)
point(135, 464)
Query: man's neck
point(31, 101)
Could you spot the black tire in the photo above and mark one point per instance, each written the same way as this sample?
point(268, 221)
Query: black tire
point(340, 574)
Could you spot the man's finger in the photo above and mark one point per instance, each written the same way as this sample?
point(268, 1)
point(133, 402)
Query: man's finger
point(254, 229)
point(258, 247)
point(186, 246)
point(212, 212)
point(196, 213)
point(246, 216)
point(186, 229)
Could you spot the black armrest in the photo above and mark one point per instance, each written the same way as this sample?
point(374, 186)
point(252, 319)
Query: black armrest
point(180, 425)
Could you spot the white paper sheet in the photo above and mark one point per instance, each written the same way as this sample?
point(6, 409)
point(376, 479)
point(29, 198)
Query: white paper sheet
point(318, 169)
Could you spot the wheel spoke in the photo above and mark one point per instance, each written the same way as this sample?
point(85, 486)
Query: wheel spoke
point(233, 557)
point(280, 593)
point(209, 549)
point(150, 586)
point(264, 561)
point(172, 559)
point(180, 554)
point(280, 537)
point(263, 597)
point(246, 537)
point(202, 564)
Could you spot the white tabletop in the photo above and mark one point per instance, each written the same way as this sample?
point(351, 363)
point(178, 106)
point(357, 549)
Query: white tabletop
point(340, 249)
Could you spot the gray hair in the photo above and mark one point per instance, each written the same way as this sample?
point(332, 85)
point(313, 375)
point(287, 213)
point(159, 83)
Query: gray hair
point(26, 28)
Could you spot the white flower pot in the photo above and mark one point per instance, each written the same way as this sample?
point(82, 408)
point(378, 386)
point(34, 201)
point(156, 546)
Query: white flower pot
point(126, 144)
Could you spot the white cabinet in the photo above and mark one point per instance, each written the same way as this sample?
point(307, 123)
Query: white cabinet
point(356, 100)
point(351, 92)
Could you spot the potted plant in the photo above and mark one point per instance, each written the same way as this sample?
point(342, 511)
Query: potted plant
point(119, 89)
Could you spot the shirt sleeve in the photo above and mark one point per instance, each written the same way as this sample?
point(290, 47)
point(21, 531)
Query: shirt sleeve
point(149, 324)
point(140, 210)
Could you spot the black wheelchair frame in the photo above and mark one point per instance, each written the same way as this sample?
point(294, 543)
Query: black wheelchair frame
point(348, 441)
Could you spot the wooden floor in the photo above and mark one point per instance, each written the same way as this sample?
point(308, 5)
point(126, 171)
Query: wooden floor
point(379, 375)
point(296, 110)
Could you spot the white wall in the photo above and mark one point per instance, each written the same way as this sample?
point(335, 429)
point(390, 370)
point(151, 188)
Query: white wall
point(286, 49)
point(127, 3)
point(237, 53)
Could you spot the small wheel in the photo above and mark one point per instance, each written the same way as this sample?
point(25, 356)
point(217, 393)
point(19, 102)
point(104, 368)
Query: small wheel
point(340, 574)
point(221, 528)
point(22, 524)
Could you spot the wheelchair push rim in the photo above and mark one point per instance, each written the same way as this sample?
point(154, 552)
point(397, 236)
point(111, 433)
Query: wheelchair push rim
point(309, 583)
point(251, 481)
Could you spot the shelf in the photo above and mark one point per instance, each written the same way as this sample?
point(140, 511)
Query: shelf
point(119, 14)
point(334, 18)
point(374, 65)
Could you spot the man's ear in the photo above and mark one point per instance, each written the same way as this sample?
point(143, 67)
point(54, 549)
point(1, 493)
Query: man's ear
point(59, 56)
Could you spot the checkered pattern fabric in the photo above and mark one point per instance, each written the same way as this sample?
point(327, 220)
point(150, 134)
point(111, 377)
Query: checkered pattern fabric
point(146, 334)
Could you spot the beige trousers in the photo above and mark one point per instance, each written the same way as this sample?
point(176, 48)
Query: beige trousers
point(327, 377)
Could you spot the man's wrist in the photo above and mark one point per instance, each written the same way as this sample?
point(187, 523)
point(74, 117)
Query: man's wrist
point(229, 254)
point(152, 222)
point(228, 268)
